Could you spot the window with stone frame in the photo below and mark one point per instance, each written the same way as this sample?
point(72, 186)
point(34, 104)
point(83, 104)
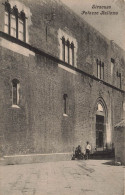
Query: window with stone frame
point(22, 26)
point(65, 96)
point(13, 27)
point(21, 29)
point(68, 51)
point(112, 66)
point(6, 24)
point(7, 18)
point(63, 49)
point(119, 79)
point(100, 69)
point(15, 22)
point(72, 51)
point(15, 92)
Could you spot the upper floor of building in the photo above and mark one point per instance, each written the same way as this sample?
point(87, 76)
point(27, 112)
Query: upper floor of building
point(51, 26)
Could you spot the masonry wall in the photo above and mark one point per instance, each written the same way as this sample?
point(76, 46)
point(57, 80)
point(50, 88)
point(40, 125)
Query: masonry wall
point(39, 125)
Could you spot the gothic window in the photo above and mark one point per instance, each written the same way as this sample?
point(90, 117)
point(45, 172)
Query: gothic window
point(22, 26)
point(68, 51)
point(6, 25)
point(119, 79)
point(63, 49)
point(72, 49)
point(112, 66)
point(21, 30)
point(15, 22)
point(100, 69)
point(13, 26)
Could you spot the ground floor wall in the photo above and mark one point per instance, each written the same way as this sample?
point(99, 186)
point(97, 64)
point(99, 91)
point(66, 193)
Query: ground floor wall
point(57, 107)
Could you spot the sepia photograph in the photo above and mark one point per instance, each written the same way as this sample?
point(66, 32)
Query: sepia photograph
point(62, 97)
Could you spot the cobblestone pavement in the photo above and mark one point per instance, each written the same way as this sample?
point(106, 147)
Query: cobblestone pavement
point(92, 177)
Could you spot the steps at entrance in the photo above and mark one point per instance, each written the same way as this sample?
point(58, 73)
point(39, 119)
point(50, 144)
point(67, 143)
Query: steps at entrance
point(107, 154)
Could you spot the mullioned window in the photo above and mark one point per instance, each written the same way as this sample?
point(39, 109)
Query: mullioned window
point(15, 22)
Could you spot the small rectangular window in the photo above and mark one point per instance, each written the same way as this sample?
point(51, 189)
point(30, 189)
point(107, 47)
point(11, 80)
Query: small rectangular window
point(102, 71)
point(65, 103)
point(98, 70)
point(112, 66)
point(15, 92)
point(119, 79)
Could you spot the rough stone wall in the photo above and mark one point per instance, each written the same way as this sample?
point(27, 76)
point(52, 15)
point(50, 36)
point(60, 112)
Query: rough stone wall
point(39, 125)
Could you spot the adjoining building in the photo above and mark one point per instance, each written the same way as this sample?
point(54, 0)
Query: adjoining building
point(61, 81)
point(120, 139)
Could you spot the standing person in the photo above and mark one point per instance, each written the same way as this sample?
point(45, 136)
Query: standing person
point(88, 149)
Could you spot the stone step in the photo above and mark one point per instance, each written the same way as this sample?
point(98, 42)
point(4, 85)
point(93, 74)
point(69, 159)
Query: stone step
point(103, 155)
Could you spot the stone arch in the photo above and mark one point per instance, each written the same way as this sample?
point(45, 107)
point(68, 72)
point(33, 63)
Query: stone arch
point(100, 114)
point(101, 101)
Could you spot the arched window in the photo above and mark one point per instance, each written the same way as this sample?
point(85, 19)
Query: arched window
point(119, 79)
point(15, 22)
point(7, 18)
point(63, 49)
point(68, 51)
point(72, 48)
point(13, 29)
point(100, 69)
point(22, 26)
point(15, 92)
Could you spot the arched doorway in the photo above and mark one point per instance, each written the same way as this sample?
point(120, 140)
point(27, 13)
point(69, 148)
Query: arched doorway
point(100, 124)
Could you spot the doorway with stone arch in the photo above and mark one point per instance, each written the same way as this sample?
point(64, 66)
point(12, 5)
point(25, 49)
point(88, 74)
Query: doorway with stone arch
point(100, 113)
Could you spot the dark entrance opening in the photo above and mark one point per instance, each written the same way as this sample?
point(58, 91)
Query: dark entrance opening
point(99, 131)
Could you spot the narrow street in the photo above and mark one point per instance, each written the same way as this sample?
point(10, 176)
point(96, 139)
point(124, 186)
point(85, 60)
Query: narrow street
point(92, 177)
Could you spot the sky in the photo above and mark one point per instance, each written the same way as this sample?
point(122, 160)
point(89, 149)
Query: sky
point(111, 26)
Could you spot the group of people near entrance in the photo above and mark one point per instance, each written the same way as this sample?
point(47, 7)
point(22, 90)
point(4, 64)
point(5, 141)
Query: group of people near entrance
point(80, 155)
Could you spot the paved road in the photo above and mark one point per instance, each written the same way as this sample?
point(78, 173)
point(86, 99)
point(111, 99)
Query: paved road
point(92, 177)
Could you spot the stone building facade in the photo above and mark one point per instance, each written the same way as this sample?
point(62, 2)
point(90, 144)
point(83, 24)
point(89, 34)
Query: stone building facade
point(61, 81)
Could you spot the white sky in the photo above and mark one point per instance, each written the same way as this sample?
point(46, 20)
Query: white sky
point(113, 27)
